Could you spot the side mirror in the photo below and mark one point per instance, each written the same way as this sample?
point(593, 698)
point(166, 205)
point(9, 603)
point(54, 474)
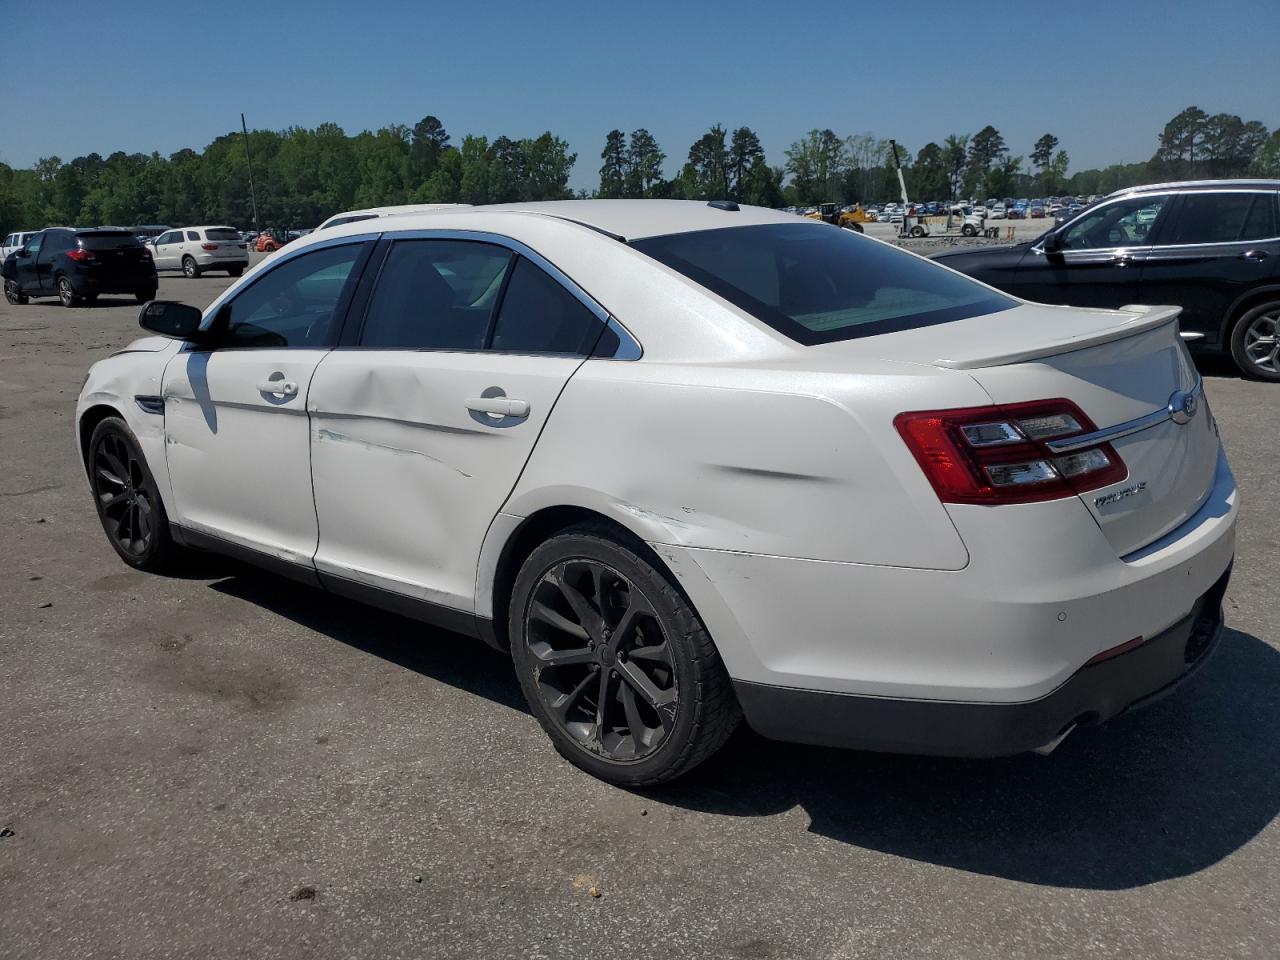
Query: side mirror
point(180, 321)
point(1052, 242)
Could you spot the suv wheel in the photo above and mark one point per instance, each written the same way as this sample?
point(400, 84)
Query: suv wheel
point(13, 293)
point(128, 503)
point(616, 666)
point(1255, 342)
point(67, 293)
point(147, 295)
point(190, 268)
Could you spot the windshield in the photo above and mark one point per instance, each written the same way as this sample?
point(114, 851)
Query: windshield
point(818, 284)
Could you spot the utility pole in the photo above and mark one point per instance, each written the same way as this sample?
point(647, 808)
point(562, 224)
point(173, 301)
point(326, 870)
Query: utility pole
point(253, 197)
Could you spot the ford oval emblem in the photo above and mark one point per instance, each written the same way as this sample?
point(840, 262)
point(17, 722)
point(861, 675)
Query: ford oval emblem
point(1183, 406)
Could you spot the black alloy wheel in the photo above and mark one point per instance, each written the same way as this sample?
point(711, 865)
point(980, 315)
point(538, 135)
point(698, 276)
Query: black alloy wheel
point(615, 664)
point(13, 293)
point(605, 669)
point(128, 503)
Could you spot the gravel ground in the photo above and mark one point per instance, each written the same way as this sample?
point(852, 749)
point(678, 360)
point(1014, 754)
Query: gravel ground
point(228, 765)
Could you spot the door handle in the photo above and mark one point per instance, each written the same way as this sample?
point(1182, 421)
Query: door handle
point(1122, 260)
point(279, 387)
point(499, 406)
point(1254, 256)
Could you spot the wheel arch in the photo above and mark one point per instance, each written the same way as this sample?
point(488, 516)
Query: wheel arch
point(1242, 305)
point(87, 423)
point(511, 540)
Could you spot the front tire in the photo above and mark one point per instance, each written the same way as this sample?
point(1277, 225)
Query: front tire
point(615, 664)
point(13, 293)
point(129, 506)
point(1255, 342)
point(67, 295)
point(190, 268)
point(969, 230)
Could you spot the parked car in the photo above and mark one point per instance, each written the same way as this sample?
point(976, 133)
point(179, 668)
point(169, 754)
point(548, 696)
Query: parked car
point(194, 250)
point(1036, 210)
point(1210, 247)
point(585, 452)
point(271, 240)
point(1016, 212)
point(14, 242)
point(998, 211)
point(148, 231)
point(77, 266)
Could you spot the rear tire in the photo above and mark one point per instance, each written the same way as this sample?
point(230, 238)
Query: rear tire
point(67, 295)
point(128, 503)
point(1255, 342)
point(916, 231)
point(190, 268)
point(13, 293)
point(147, 295)
point(615, 664)
point(235, 271)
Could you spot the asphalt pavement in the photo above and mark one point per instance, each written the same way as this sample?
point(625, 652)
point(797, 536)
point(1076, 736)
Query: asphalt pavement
point(230, 765)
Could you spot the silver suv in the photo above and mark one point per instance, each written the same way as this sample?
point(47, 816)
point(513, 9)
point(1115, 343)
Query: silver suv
point(194, 250)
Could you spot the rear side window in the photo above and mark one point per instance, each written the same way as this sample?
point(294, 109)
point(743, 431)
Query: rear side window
point(435, 295)
point(221, 233)
point(1224, 218)
point(818, 284)
point(193, 235)
point(538, 315)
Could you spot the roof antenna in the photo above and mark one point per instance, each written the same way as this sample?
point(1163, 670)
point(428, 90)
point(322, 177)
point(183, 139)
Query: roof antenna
point(729, 205)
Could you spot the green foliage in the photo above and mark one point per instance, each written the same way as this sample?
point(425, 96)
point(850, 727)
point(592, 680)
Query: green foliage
point(301, 177)
point(817, 165)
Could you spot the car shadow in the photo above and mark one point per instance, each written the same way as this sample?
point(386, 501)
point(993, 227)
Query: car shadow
point(1161, 793)
point(1216, 365)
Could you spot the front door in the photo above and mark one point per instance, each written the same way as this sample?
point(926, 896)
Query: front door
point(1218, 246)
point(166, 250)
point(1100, 256)
point(421, 431)
point(28, 277)
point(235, 417)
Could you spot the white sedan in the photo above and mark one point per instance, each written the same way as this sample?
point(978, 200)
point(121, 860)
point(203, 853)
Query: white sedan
point(691, 463)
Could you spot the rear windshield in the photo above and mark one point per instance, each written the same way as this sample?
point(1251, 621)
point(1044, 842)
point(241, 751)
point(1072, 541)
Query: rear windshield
point(817, 283)
point(222, 233)
point(106, 239)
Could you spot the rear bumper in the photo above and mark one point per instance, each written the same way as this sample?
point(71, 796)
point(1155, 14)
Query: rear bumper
point(88, 284)
point(1093, 694)
point(207, 261)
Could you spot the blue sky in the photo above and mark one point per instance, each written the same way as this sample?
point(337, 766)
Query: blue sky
point(1103, 77)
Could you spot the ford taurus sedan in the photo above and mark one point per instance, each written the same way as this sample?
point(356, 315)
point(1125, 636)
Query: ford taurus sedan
point(692, 464)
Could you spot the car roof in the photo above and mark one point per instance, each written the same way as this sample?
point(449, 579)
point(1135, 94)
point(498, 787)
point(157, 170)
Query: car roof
point(623, 219)
point(1199, 185)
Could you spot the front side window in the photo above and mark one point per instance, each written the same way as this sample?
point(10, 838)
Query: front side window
point(165, 238)
point(1225, 218)
point(538, 315)
point(1120, 224)
point(34, 244)
point(435, 295)
point(819, 284)
point(295, 304)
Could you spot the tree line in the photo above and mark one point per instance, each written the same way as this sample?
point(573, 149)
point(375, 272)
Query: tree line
point(302, 176)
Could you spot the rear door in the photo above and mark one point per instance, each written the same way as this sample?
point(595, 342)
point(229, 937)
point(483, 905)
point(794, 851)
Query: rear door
point(1100, 260)
point(422, 426)
point(235, 417)
point(1218, 245)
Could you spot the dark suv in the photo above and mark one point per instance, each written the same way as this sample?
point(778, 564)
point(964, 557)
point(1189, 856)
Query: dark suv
point(1211, 247)
point(77, 265)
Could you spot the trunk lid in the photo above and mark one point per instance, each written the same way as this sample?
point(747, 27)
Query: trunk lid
point(1118, 367)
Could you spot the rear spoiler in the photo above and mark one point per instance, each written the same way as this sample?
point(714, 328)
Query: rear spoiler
point(1143, 318)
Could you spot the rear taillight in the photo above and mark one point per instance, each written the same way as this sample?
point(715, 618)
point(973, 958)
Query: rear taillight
point(80, 256)
point(208, 246)
point(994, 455)
point(146, 254)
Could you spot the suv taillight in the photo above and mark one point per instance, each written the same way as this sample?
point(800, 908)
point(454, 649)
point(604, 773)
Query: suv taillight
point(208, 246)
point(80, 256)
point(994, 455)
